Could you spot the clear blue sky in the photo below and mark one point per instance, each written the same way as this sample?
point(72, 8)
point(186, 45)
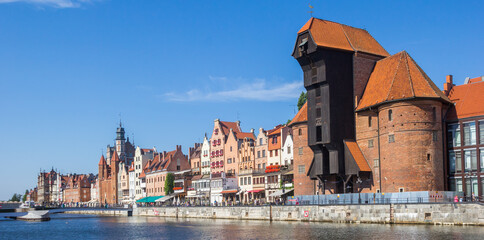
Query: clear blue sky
point(68, 68)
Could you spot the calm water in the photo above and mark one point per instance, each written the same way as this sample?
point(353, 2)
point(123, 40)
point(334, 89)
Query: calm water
point(67, 226)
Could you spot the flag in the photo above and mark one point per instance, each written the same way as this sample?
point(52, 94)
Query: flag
point(310, 6)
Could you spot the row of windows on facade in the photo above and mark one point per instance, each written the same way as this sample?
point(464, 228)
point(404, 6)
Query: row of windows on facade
point(470, 161)
point(247, 180)
point(469, 134)
point(158, 179)
point(471, 185)
point(219, 153)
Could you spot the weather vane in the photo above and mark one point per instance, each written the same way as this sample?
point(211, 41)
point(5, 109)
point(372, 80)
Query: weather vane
point(311, 9)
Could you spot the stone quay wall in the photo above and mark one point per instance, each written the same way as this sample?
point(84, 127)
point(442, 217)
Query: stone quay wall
point(102, 212)
point(445, 214)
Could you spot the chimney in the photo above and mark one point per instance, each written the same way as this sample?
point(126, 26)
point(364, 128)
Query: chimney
point(252, 130)
point(448, 85)
point(191, 150)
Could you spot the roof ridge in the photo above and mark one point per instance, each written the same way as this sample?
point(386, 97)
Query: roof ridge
point(430, 82)
point(409, 75)
point(347, 38)
point(393, 79)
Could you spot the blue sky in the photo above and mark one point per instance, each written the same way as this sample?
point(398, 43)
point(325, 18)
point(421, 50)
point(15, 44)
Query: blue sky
point(69, 68)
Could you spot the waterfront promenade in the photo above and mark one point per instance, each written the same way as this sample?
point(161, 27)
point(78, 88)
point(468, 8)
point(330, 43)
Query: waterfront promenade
point(429, 213)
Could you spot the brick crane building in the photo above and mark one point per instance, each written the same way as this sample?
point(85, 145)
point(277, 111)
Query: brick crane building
point(374, 120)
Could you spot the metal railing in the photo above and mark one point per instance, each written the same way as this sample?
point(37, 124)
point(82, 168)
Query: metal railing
point(379, 198)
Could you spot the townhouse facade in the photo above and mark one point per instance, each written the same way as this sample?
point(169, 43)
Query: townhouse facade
point(141, 158)
point(205, 158)
point(465, 137)
point(163, 163)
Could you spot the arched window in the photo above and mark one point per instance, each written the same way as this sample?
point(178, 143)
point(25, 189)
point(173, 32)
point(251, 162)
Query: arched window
point(390, 115)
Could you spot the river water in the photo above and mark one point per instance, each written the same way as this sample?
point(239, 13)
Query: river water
point(69, 226)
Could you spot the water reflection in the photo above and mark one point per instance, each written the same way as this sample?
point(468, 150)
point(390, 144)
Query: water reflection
point(65, 226)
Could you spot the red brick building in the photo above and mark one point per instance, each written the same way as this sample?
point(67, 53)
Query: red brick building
point(375, 120)
point(399, 127)
point(465, 137)
point(303, 155)
point(77, 189)
point(108, 180)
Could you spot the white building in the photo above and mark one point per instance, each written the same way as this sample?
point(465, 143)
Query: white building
point(287, 155)
point(132, 180)
point(220, 185)
point(205, 158)
point(141, 157)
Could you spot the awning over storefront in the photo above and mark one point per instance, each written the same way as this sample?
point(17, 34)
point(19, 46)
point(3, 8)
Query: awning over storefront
point(149, 199)
point(165, 198)
point(279, 193)
point(255, 190)
point(229, 191)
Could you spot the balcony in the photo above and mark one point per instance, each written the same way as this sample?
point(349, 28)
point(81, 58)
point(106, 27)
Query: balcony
point(251, 171)
point(178, 189)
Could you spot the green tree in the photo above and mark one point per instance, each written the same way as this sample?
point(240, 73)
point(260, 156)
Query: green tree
point(15, 198)
point(24, 198)
point(169, 183)
point(302, 100)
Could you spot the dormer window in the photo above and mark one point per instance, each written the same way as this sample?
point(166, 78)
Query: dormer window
point(303, 46)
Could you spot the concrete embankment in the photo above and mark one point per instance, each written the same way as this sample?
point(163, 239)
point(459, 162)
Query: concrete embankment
point(102, 212)
point(451, 214)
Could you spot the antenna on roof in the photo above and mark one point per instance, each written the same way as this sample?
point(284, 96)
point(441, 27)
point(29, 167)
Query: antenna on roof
point(119, 119)
point(311, 10)
point(294, 108)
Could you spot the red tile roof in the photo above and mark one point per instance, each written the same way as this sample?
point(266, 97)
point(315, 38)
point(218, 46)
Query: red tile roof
point(102, 161)
point(226, 126)
point(357, 155)
point(468, 100)
point(398, 78)
point(301, 116)
point(242, 135)
point(338, 36)
point(275, 130)
point(142, 174)
point(477, 79)
point(115, 157)
point(146, 150)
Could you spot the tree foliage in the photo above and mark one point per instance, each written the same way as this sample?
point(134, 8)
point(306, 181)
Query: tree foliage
point(169, 183)
point(302, 100)
point(24, 198)
point(15, 198)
